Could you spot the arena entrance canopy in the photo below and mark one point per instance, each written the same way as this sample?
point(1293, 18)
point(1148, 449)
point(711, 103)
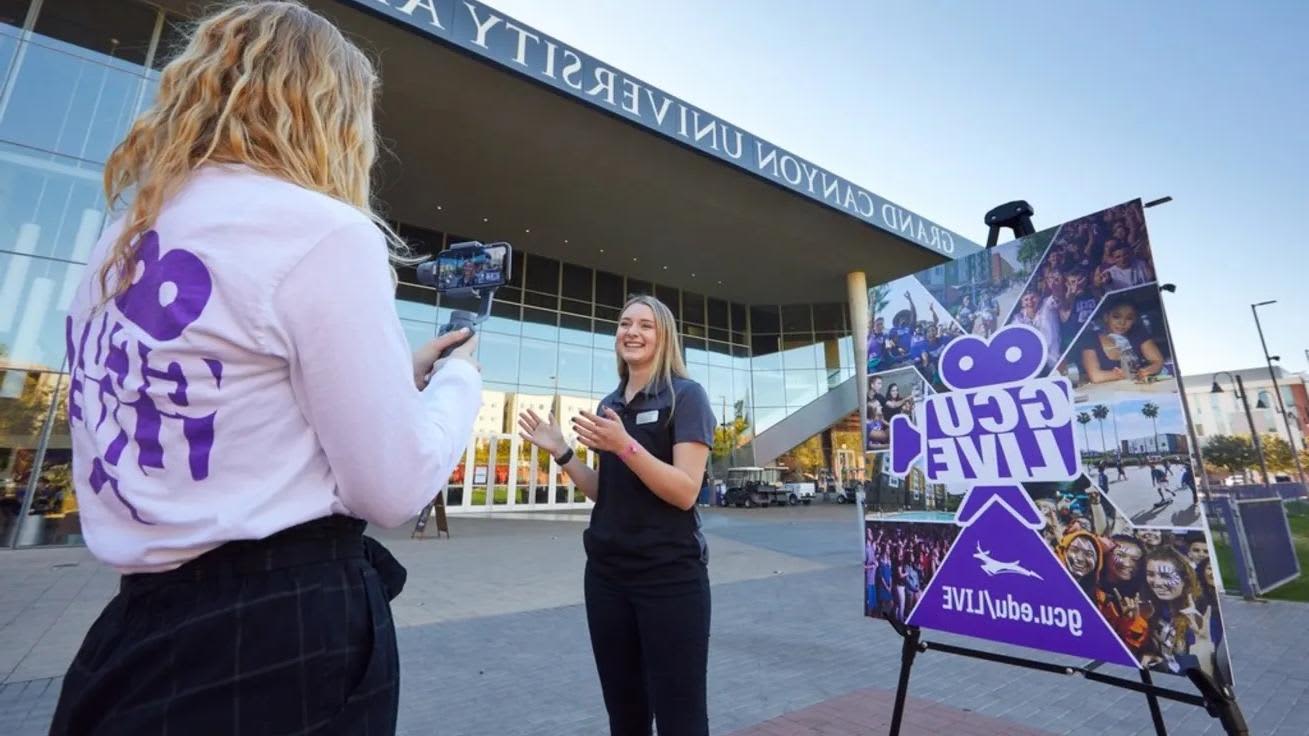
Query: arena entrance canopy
point(500, 131)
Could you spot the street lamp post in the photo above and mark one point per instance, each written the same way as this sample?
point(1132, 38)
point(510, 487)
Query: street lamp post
point(1186, 406)
point(1249, 417)
point(1277, 391)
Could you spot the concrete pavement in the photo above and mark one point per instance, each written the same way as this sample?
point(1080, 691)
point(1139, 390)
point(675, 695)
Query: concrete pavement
point(493, 641)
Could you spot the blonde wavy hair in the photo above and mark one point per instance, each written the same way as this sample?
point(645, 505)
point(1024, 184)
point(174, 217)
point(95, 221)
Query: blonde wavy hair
point(668, 347)
point(271, 85)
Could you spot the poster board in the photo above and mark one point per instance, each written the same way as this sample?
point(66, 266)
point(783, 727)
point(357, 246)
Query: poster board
point(1033, 387)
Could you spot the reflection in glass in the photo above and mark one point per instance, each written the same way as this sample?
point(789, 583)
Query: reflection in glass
point(537, 364)
point(52, 514)
point(769, 388)
point(31, 313)
point(498, 355)
point(95, 100)
point(574, 368)
point(803, 387)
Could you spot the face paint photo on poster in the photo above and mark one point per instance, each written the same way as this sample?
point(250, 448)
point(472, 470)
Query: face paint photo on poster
point(1050, 404)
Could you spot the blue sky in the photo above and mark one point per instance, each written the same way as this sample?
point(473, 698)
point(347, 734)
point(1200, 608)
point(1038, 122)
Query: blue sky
point(951, 108)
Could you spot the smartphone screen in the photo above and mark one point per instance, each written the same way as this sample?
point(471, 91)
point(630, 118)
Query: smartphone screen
point(472, 268)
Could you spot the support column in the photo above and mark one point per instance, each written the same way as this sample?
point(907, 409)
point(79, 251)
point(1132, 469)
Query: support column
point(856, 291)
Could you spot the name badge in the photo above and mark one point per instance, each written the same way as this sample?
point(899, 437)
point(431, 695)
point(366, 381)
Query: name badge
point(648, 417)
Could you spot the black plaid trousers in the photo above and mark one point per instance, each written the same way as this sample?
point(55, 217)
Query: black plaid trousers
point(288, 635)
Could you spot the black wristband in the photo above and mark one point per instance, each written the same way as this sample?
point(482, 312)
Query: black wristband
point(563, 459)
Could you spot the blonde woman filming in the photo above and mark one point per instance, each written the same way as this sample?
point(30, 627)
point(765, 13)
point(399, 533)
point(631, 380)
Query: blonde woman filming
point(646, 580)
point(243, 400)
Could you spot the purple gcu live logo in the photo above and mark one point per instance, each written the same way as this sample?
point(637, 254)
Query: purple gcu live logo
point(999, 423)
point(999, 426)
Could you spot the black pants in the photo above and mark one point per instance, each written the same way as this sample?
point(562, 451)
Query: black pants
point(651, 646)
point(288, 635)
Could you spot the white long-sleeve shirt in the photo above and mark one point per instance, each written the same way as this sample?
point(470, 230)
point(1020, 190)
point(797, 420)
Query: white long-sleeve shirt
point(255, 376)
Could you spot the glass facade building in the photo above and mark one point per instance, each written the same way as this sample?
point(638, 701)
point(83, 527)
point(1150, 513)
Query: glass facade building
point(73, 76)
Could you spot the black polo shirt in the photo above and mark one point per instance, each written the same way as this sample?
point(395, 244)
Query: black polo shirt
point(634, 535)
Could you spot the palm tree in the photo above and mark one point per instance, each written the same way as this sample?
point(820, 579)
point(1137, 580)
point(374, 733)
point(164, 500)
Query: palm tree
point(1084, 419)
point(1101, 412)
point(1151, 410)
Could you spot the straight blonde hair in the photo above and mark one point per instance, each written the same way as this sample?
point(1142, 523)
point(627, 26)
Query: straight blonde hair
point(269, 85)
point(668, 362)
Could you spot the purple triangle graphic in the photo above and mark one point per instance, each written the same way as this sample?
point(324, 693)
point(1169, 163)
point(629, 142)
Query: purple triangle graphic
point(1000, 581)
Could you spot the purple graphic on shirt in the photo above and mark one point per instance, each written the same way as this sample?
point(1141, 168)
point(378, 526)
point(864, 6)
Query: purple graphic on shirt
point(171, 292)
point(134, 388)
point(1000, 581)
point(999, 423)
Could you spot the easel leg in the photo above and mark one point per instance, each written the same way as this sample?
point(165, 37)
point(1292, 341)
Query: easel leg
point(1155, 714)
point(1221, 703)
point(908, 650)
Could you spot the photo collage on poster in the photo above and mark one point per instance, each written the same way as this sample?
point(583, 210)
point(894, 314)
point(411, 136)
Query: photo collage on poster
point(1130, 531)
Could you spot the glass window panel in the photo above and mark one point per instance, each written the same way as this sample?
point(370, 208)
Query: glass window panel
point(720, 354)
point(417, 333)
point(769, 388)
point(13, 12)
point(738, 317)
point(799, 352)
point(116, 30)
point(609, 290)
point(765, 320)
point(542, 274)
point(767, 416)
point(803, 387)
point(796, 318)
point(830, 356)
point(740, 355)
point(766, 350)
point(829, 317)
point(415, 303)
point(610, 313)
point(50, 205)
point(516, 269)
point(498, 355)
point(692, 307)
point(25, 398)
point(700, 374)
point(697, 343)
point(509, 294)
point(720, 335)
point(604, 334)
point(670, 297)
point(573, 306)
point(574, 368)
point(739, 338)
point(544, 301)
point(171, 42)
point(34, 298)
point(834, 376)
point(604, 371)
point(719, 386)
point(693, 330)
point(740, 387)
point(69, 104)
point(577, 282)
point(637, 286)
point(717, 309)
point(696, 353)
point(505, 318)
point(52, 517)
point(574, 330)
point(540, 324)
point(537, 362)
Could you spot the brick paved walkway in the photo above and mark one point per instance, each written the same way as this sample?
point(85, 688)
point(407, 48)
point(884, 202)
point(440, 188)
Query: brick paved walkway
point(866, 712)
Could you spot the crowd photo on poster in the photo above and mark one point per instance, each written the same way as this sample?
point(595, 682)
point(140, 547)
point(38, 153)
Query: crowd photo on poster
point(900, 559)
point(889, 394)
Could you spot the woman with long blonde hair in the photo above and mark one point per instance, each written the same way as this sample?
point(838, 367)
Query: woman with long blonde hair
point(646, 579)
point(243, 400)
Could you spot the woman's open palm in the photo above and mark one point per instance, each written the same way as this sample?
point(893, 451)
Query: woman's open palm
point(545, 434)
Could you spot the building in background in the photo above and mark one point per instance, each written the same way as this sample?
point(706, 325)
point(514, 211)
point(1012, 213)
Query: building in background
point(605, 186)
point(1222, 413)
